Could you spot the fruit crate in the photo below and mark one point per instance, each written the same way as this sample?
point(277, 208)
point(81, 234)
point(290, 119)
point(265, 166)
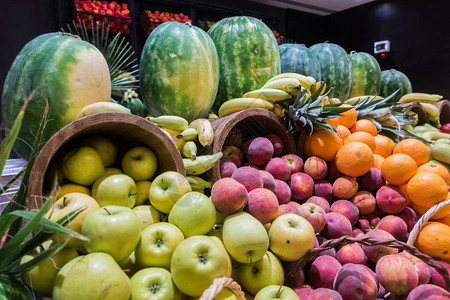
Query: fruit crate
point(151, 19)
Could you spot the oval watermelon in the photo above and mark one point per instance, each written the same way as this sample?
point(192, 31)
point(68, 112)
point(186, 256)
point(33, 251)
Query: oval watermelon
point(299, 59)
point(366, 74)
point(248, 56)
point(179, 71)
point(64, 70)
point(392, 80)
point(336, 68)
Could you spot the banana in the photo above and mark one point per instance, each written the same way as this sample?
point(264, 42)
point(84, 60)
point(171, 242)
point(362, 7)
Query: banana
point(238, 104)
point(202, 164)
point(179, 144)
point(278, 110)
point(205, 131)
point(305, 81)
point(317, 86)
point(432, 112)
point(174, 123)
point(358, 99)
point(289, 85)
point(189, 134)
point(100, 107)
point(431, 127)
point(212, 116)
point(421, 129)
point(166, 132)
point(443, 141)
point(441, 152)
point(420, 97)
point(189, 150)
point(198, 182)
point(273, 95)
point(433, 135)
point(170, 131)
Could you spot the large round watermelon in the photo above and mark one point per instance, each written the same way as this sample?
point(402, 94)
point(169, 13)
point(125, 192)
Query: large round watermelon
point(248, 56)
point(366, 74)
point(64, 70)
point(179, 71)
point(336, 68)
point(392, 80)
point(299, 59)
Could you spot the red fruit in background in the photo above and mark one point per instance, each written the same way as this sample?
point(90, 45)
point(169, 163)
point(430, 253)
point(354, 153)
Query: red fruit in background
point(445, 128)
point(124, 5)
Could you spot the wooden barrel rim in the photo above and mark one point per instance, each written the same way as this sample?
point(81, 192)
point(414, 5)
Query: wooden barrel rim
point(444, 109)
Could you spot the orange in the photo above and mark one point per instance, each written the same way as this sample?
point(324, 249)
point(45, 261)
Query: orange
point(354, 159)
point(434, 240)
point(333, 122)
point(325, 144)
point(421, 210)
point(365, 125)
point(378, 161)
point(427, 189)
point(416, 149)
point(383, 145)
point(343, 131)
point(435, 168)
point(348, 118)
point(325, 101)
point(445, 220)
point(398, 168)
point(363, 137)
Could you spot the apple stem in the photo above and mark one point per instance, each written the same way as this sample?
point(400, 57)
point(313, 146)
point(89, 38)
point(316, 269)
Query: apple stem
point(279, 292)
point(107, 211)
point(64, 201)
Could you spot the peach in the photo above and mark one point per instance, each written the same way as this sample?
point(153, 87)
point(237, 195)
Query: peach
point(371, 181)
point(365, 202)
point(347, 209)
point(315, 167)
point(234, 138)
point(322, 271)
point(295, 162)
point(368, 222)
point(233, 154)
point(263, 205)
point(314, 214)
point(287, 209)
point(333, 172)
point(279, 168)
point(354, 281)
point(294, 204)
point(337, 226)
point(356, 232)
point(323, 188)
point(374, 253)
point(395, 226)
point(293, 277)
point(322, 202)
point(249, 164)
point(345, 187)
point(260, 151)
point(323, 293)
point(396, 274)
point(423, 270)
point(303, 292)
point(228, 195)
point(249, 177)
point(428, 292)
point(227, 169)
point(301, 185)
point(391, 199)
point(351, 253)
point(276, 142)
point(282, 191)
point(268, 180)
point(436, 277)
point(410, 217)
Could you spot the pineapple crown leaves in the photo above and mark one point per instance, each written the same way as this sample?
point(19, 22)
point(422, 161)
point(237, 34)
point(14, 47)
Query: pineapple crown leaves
point(368, 105)
point(398, 134)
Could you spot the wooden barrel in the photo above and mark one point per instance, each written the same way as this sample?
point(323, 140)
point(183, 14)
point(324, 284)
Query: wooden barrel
point(126, 129)
point(253, 122)
point(444, 108)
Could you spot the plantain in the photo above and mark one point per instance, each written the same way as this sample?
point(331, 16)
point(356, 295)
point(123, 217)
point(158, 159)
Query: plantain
point(202, 163)
point(189, 150)
point(205, 131)
point(189, 134)
point(102, 107)
point(174, 123)
point(198, 182)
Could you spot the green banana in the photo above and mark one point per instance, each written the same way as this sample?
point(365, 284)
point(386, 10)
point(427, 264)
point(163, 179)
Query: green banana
point(189, 150)
point(102, 107)
point(189, 134)
point(174, 123)
point(202, 164)
point(441, 152)
point(420, 97)
point(238, 104)
point(273, 95)
point(198, 182)
point(422, 129)
point(433, 135)
point(289, 85)
point(305, 81)
point(205, 131)
point(432, 112)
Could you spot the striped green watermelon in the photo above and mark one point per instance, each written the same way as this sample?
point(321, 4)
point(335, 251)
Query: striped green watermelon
point(179, 71)
point(65, 71)
point(248, 56)
point(366, 74)
point(392, 80)
point(299, 59)
point(336, 68)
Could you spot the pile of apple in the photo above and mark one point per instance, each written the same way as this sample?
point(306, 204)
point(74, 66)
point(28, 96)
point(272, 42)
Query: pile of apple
point(278, 36)
point(153, 19)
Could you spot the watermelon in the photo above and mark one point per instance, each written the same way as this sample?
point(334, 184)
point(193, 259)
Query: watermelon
point(336, 68)
point(248, 56)
point(64, 70)
point(179, 71)
point(392, 80)
point(299, 59)
point(366, 74)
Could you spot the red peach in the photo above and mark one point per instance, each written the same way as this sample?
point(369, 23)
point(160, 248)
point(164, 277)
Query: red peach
point(322, 271)
point(345, 187)
point(260, 151)
point(354, 282)
point(279, 168)
point(233, 154)
point(337, 226)
point(323, 293)
point(436, 277)
point(323, 188)
point(315, 167)
point(351, 253)
point(347, 209)
point(428, 292)
point(333, 172)
point(249, 177)
point(295, 162)
point(287, 209)
point(395, 226)
point(410, 217)
point(276, 142)
point(263, 205)
point(368, 222)
point(294, 204)
point(371, 181)
point(356, 232)
point(227, 169)
point(331, 252)
point(268, 180)
point(396, 274)
point(423, 270)
point(322, 202)
point(228, 195)
point(314, 214)
point(249, 164)
point(374, 253)
point(303, 292)
point(391, 199)
point(282, 191)
point(365, 202)
point(301, 185)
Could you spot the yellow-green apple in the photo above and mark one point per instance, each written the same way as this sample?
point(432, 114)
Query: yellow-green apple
point(291, 236)
point(82, 165)
point(129, 265)
point(41, 277)
point(140, 163)
point(67, 204)
point(92, 276)
point(166, 189)
point(111, 171)
point(143, 187)
point(148, 215)
point(244, 237)
point(153, 284)
point(196, 262)
point(72, 188)
point(112, 229)
point(194, 213)
point(157, 244)
point(104, 146)
point(256, 275)
point(117, 189)
point(217, 231)
point(276, 292)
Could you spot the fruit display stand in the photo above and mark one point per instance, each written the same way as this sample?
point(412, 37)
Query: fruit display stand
point(150, 20)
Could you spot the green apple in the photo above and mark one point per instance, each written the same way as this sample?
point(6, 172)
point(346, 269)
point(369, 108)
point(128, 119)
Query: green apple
point(104, 146)
point(129, 265)
point(153, 284)
point(224, 294)
point(42, 276)
point(82, 165)
point(276, 292)
point(73, 188)
point(157, 244)
point(216, 231)
point(166, 189)
point(117, 189)
point(194, 214)
point(140, 163)
point(112, 229)
point(148, 215)
point(143, 187)
point(111, 171)
point(92, 276)
point(67, 204)
point(244, 237)
point(291, 236)
point(264, 272)
point(196, 262)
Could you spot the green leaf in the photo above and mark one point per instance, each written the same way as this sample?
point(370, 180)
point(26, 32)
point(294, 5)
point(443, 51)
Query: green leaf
point(10, 182)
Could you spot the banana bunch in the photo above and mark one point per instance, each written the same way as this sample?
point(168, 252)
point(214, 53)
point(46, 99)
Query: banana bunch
point(420, 97)
point(432, 112)
point(439, 143)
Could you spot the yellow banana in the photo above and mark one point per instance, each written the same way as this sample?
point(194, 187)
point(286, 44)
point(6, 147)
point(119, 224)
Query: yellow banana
point(430, 127)
point(179, 144)
point(289, 85)
point(420, 97)
point(238, 104)
point(174, 123)
point(317, 86)
point(202, 164)
point(444, 141)
point(358, 99)
point(170, 131)
point(205, 131)
point(166, 132)
point(189, 150)
point(278, 110)
point(305, 81)
point(198, 182)
point(189, 134)
point(212, 116)
point(100, 107)
point(433, 135)
point(268, 94)
point(432, 112)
